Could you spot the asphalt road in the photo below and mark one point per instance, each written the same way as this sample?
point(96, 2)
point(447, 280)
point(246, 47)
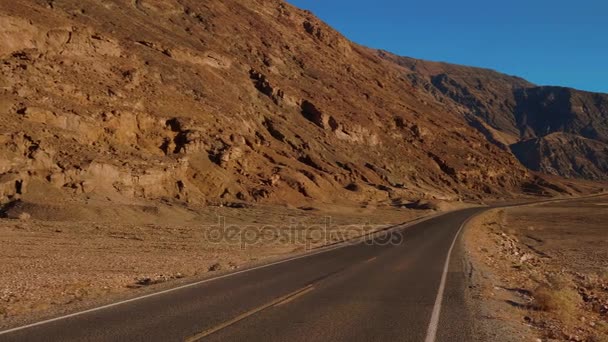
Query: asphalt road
point(362, 292)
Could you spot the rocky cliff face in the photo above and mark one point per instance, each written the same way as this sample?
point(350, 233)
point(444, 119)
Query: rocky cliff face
point(541, 111)
point(564, 154)
point(555, 130)
point(235, 101)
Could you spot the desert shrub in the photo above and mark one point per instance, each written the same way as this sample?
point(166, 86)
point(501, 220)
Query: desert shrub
point(561, 300)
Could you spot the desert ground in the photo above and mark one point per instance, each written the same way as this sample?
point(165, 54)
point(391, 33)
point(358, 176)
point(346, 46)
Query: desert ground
point(540, 272)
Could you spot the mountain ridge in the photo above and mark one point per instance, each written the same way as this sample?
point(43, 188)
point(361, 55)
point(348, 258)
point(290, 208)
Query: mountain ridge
point(222, 102)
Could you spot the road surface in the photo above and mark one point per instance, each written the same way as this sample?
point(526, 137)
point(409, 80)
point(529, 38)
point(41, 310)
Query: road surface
point(410, 291)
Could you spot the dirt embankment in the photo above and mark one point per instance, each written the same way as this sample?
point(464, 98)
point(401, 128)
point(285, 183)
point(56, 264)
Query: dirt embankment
point(540, 272)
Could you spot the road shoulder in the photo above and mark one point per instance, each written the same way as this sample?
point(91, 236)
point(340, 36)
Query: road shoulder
point(539, 272)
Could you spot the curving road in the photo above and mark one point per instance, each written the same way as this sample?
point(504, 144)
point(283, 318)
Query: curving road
point(362, 292)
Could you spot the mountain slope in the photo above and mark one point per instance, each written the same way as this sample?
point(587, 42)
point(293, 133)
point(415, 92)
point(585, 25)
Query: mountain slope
point(223, 101)
point(510, 111)
point(487, 94)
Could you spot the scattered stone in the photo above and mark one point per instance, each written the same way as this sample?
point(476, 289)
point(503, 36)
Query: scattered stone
point(24, 216)
point(526, 257)
point(215, 267)
point(143, 281)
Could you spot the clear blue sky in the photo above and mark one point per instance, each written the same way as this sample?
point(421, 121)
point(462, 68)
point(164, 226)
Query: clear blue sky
point(547, 42)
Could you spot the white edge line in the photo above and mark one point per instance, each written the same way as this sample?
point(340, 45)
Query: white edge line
point(431, 333)
point(433, 325)
point(330, 248)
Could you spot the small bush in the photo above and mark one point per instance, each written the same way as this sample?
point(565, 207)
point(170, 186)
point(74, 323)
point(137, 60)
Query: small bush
point(563, 301)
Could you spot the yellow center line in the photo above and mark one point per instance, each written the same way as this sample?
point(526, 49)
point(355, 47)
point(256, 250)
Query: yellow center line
point(281, 300)
point(297, 295)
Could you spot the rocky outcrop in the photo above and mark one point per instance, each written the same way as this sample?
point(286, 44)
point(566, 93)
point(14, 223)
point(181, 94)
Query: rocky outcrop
point(541, 111)
point(265, 87)
point(316, 116)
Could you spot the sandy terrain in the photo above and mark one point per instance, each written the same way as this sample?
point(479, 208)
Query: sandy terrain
point(51, 266)
point(541, 272)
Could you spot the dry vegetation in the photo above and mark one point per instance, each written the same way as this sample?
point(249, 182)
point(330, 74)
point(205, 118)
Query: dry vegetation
point(544, 267)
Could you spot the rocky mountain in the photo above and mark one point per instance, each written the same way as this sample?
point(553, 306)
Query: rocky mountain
point(554, 130)
point(231, 101)
point(564, 154)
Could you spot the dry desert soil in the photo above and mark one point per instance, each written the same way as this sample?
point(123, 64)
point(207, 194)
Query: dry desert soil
point(540, 271)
